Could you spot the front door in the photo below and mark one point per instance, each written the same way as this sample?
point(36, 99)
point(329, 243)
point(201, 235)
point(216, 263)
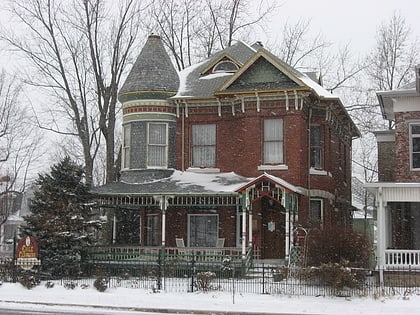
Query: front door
point(272, 229)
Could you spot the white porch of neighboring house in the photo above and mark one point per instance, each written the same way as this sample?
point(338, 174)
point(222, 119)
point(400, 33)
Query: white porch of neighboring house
point(398, 224)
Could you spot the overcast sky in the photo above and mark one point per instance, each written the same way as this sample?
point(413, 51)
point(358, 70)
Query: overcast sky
point(349, 21)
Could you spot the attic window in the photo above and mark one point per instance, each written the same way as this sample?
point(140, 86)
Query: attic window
point(225, 66)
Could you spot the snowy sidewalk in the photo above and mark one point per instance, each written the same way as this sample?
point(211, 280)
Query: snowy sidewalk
point(123, 299)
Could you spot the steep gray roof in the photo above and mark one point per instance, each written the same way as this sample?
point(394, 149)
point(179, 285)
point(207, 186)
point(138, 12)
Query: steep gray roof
point(152, 71)
point(194, 84)
point(172, 182)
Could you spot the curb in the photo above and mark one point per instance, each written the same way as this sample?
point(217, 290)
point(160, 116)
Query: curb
point(150, 310)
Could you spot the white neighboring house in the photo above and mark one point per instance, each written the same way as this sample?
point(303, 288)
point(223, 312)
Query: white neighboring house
point(397, 192)
point(13, 206)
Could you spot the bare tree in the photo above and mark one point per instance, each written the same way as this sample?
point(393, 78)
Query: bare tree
point(20, 144)
point(296, 46)
point(9, 114)
point(79, 51)
point(395, 55)
point(195, 29)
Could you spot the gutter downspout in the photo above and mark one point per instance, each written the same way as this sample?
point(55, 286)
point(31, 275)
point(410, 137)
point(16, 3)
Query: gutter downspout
point(183, 140)
point(309, 157)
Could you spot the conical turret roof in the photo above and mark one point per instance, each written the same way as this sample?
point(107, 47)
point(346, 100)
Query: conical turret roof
point(153, 72)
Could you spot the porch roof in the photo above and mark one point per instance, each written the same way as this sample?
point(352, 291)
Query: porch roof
point(397, 192)
point(275, 180)
point(175, 183)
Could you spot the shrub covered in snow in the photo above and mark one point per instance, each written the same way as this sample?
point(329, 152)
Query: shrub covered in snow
point(203, 280)
point(336, 244)
point(337, 275)
point(101, 284)
point(70, 285)
point(29, 280)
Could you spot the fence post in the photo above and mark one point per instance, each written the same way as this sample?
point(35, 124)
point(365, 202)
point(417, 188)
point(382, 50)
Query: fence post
point(263, 279)
point(192, 273)
point(159, 273)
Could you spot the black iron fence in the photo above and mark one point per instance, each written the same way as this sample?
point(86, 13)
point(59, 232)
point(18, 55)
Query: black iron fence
point(191, 276)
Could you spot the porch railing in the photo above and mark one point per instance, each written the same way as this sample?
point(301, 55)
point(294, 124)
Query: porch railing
point(402, 258)
point(141, 253)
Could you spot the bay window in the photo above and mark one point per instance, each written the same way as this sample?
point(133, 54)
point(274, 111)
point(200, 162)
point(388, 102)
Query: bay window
point(126, 146)
point(157, 145)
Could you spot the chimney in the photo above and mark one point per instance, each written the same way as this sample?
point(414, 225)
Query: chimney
point(418, 78)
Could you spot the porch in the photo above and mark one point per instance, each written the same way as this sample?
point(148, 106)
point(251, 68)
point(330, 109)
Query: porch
point(402, 258)
point(202, 257)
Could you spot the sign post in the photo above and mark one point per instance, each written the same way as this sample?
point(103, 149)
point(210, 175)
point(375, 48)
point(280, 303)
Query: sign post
point(27, 253)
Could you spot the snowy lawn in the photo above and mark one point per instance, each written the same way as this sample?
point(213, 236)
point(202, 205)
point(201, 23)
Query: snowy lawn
point(215, 301)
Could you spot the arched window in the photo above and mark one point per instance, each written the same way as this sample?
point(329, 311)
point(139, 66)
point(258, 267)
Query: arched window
point(225, 66)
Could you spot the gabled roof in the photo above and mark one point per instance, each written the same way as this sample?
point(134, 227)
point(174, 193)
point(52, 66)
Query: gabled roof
point(273, 179)
point(196, 83)
point(193, 84)
point(152, 71)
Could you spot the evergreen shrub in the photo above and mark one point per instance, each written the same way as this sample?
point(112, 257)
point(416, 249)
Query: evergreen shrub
point(101, 284)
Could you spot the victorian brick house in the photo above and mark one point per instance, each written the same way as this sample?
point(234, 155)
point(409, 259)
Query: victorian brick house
point(398, 189)
point(240, 148)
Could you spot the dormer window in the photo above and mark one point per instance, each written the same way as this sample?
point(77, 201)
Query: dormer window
point(225, 66)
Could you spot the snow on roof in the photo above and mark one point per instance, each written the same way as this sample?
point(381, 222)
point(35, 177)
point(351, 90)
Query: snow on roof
point(183, 75)
point(217, 182)
point(216, 75)
point(318, 89)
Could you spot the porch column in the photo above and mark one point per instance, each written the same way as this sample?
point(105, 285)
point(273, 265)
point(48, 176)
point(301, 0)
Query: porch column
point(163, 207)
point(243, 232)
point(381, 234)
point(250, 227)
point(287, 238)
point(114, 228)
point(245, 208)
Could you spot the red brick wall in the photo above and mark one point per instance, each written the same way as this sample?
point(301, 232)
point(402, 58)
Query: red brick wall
point(386, 161)
point(239, 142)
point(402, 170)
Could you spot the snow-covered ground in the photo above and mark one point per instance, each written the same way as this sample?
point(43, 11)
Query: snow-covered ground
point(12, 296)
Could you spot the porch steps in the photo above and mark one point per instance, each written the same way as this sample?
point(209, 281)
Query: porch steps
point(264, 267)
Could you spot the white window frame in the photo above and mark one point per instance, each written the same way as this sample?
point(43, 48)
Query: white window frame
point(412, 137)
point(202, 215)
point(310, 216)
point(126, 147)
point(203, 145)
point(267, 140)
point(319, 147)
point(165, 145)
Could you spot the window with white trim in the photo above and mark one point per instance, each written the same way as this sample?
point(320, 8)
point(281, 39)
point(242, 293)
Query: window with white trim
point(204, 145)
point(317, 147)
point(316, 212)
point(415, 146)
point(273, 141)
point(203, 230)
point(157, 145)
point(126, 146)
